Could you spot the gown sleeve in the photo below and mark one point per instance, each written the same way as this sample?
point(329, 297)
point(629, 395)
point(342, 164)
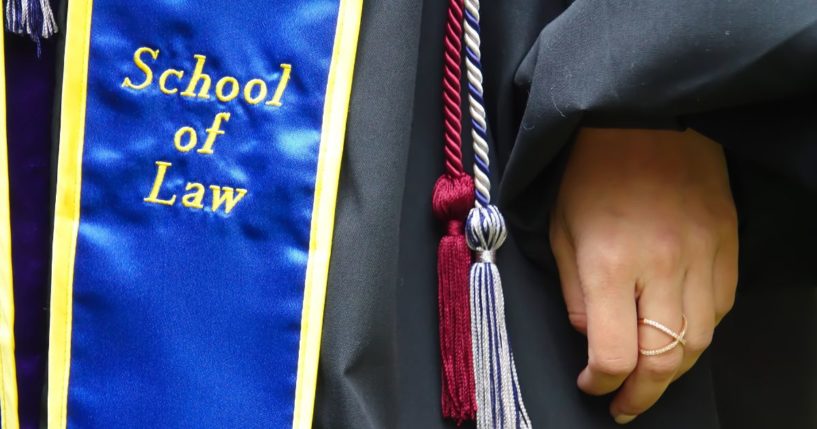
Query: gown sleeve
point(741, 72)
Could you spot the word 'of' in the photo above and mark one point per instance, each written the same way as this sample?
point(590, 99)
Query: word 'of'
point(185, 140)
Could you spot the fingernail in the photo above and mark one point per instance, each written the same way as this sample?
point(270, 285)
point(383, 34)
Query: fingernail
point(624, 418)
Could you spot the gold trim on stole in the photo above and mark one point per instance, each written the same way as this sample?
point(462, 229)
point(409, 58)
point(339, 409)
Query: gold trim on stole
point(333, 132)
point(66, 222)
point(8, 370)
point(66, 210)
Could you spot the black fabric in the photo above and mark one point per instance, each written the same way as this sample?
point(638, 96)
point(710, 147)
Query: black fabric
point(763, 358)
point(360, 370)
point(742, 72)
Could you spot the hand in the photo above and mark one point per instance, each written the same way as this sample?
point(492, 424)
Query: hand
point(644, 226)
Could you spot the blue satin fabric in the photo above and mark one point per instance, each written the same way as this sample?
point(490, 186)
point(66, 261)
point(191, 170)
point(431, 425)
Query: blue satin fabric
point(188, 318)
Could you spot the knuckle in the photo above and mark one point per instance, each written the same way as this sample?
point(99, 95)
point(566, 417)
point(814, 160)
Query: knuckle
point(603, 259)
point(666, 251)
point(612, 366)
point(702, 237)
point(661, 367)
point(698, 343)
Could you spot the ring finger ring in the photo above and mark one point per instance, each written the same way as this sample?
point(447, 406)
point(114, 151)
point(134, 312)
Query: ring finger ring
point(678, 338)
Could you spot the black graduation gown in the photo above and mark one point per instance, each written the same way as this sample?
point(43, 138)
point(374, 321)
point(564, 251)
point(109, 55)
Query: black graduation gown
point(742, 72)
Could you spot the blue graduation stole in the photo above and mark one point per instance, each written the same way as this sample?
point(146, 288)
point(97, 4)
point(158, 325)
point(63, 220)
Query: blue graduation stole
point(8, 369)
point(198, 168)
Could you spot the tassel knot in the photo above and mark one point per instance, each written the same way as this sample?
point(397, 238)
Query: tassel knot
point(486, 256)
point(485, 230)
point(453, 197)
point(455, 228)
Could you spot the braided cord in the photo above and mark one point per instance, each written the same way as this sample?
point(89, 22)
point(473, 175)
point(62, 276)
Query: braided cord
point(476, 105)
point(451, 90)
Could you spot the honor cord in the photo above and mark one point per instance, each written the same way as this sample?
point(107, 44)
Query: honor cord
point(499, 398)
point(453, 197)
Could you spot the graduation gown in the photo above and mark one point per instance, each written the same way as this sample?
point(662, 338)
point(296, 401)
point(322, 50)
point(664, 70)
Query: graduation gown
point(739, 72)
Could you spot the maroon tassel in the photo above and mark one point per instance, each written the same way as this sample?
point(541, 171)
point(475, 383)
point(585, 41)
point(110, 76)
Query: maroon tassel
point(453, 198)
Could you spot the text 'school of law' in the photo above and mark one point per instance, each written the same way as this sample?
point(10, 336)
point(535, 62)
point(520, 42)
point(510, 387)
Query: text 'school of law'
point(227, 89)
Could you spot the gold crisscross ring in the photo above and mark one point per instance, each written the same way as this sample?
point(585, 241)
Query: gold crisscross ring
point(678, 338)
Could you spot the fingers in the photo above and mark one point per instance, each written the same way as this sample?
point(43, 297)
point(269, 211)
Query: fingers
point(661, 301)
point(600, 304)
point(569, 277)
point(599, 290)
point(699, 307)
point(612, 334)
